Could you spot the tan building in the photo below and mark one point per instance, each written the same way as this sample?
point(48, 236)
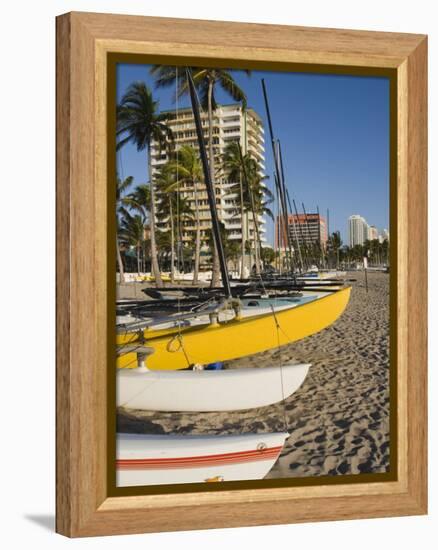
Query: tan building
point(304, 229)
point(230, 124)
point(373, 233)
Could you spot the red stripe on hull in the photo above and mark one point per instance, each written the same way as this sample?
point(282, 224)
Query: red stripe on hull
point(197, 461)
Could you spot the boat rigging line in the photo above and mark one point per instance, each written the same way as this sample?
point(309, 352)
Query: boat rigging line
point(277, 178)
point(323, 262)
point(309, 235)
point(278, 328)
point(209, 185)
point(254, 217)
point(303, 240)
point(290, 206)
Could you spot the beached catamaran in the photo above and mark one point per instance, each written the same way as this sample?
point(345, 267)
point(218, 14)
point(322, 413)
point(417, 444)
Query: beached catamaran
point(205, 390)
point(168, 459)
point(219, 333)
point(220, 327)
point(199, 329)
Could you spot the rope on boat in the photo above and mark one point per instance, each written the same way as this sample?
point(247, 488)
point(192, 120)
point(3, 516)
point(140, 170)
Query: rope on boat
point(178, 220)
point(278, 328)
point(181, 347)
point(180, 244)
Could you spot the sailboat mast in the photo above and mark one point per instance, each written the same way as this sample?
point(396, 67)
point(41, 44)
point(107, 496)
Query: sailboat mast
point(329, 241)
point(286, 192)
point(278, 181)
point(319, 239)
point(303, 240)
point(283, 223)
point(277, 243)
point(209, 185)
point(309, 236)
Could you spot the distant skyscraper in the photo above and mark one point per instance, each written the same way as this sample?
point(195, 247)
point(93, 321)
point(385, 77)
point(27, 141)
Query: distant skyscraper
point(357, 230)
point(385, 235)
point(373, 233)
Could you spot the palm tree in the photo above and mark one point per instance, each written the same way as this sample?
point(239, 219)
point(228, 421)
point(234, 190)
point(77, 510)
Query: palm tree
point(232, 166)
point(172, 207)
point(188, 169)
point(226, 242)
point(336, 242)
point(254, 195)
point(121, 187)
point(206, 80)
point(267, 255)
point(232, 251)
point(165, 181)
point(132, 232)
point(139, 122)
point(260, 197)
point(140, 201)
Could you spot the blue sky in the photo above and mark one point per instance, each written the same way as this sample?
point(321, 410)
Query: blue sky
point(334, 133)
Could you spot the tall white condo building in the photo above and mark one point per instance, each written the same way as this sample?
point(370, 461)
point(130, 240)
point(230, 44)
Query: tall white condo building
point(357, 230)
point(230, 123)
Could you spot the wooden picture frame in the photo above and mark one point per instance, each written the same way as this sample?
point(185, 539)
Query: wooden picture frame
point(84, 43)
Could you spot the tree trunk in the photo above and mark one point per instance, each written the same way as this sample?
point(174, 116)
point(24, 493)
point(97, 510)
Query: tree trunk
point(120, 263)
point(255, 229)
point(138, 259)
point(198, 238)
point(215, 276)
point(155, 269)
point(242, 225)
point(256, 247)
point(172, 242)
point(248, 239)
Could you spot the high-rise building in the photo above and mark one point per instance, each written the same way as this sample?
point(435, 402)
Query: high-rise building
point(304, 229)
point(357, 230)
point(373, 233)
point(230, 124)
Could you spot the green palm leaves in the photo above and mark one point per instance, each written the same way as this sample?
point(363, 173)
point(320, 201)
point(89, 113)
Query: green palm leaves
point(139, 122)
point(207, 81)
point(254, 196)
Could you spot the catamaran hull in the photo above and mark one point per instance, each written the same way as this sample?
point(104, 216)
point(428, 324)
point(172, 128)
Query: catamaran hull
point(181, 348)
point(169, 459)
point(195, 391)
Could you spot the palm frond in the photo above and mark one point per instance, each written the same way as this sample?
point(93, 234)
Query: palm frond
point(138, 119)
point(228, 83)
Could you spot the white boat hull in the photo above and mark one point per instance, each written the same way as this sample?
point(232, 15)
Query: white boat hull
point(169, 459)
point(207, 390)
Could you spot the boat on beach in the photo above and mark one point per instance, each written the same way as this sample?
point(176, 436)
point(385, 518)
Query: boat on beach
point(207, 390)
point(182, 330)
point(168, 459)
point(207, 336)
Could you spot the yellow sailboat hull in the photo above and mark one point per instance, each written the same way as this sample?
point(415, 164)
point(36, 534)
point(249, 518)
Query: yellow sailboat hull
point(176, 349)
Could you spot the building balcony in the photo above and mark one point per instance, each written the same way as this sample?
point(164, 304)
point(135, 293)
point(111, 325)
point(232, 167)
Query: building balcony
point(226, 114)
point(228, 123)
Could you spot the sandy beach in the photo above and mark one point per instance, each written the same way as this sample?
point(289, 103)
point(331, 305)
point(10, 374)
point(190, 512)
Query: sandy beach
point(339, 419)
